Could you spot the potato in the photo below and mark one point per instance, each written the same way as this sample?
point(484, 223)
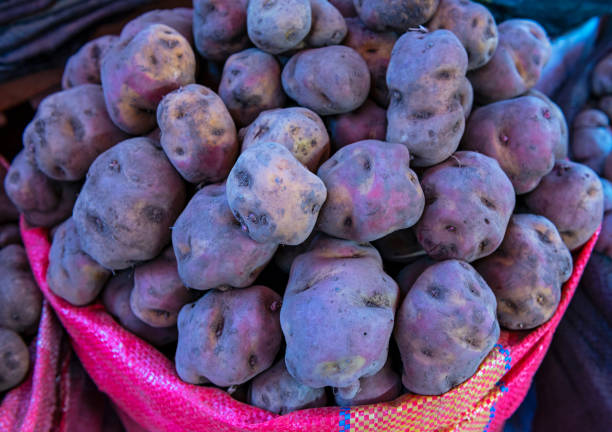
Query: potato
point(9, 234)
point(561, 141)
point(607, 194)
point(43, 201)
point(601, 79)
point(136, 73)
point(70, 129)
point(278, 26)
point(211, 248)
point(328, 26)
point(130, 199)
point(285, 255)
point(346, 7)
point(468, 203)
point(72, 274)
point(368, 122)
point(251, 84)
point(83, 67)
point(445, 349)
point(397, 15)
point(8, 211)
point(400, 246)
point(527, 271)
point(409, 274)
point(300, 130)
point(522, 52)
point(219, 28)
point(592, 139)
point(383, 386)
point(274, 197)
point(571, 197)
point(179, 19)
point(604, 243)
point(277, 391)
point(197, 133)
point(375, 48)
point(371, 191)
point(428, 97)
point(116, 299)
point(605, 105)
point(337, 315)
point(228, 337)
point(346, 84)
point(520, 134)
point(15, 359)
point(159, 294)
point(473, 24)
point(20, 298)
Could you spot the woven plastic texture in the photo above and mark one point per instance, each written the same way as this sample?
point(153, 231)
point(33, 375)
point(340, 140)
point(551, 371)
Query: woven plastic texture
point(144, 386)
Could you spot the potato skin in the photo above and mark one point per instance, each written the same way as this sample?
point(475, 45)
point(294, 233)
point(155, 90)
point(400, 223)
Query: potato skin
point(346, 7)
point(179, 19)
point(468, 203)
point(345, 87)
point(522, 52)
point(527, 271)
point(601, 81)
point(116, 299)
point(385, 385)
point(561, 141)
point(219, 28)
point(473, 25)
point(15, 361)
point(337, 314)
point(158, 294)
point(278, 26)
point(273, 196)
point(250, 84)
point(131, 198)
point(83, 67)
point(592, 139)
point(409, 274)
point(211, 248)
point(371, 191)
point(198, 134)
point(228, 337)
point(375, 48)
point(8, 211)
point(136, 73)
point(299, 129)
point(277, 391)
point(72, 274)
point(605, 105)
point(445, 327)
point(397, 15)
point(520, 134)
point(368, 122)
point(571, 197)
point(44, 202)
point(608, 167)
point(427, 108)
point(70, 129)
point(20, 297)
point(328, 26)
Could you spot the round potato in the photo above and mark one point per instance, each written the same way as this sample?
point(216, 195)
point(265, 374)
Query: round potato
point(397, 15)
point(15, 359)
point(220, 28)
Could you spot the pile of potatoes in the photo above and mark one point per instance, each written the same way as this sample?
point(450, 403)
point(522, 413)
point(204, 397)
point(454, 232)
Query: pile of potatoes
point(20, 298)
point(318, 202)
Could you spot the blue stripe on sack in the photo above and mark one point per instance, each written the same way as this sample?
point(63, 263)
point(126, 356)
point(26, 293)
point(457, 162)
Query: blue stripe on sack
point(345, 420)
point(502, 387)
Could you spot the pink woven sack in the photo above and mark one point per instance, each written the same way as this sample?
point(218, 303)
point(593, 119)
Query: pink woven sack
point(144, 386)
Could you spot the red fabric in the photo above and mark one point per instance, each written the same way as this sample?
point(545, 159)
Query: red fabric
point(143, 384)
